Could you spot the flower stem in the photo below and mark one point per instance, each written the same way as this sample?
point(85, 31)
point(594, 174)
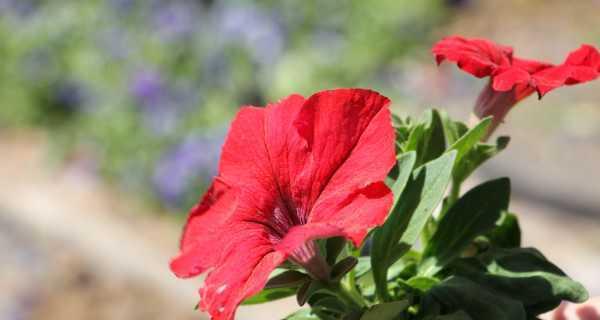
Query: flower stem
point(349, 296)
point(454, 193)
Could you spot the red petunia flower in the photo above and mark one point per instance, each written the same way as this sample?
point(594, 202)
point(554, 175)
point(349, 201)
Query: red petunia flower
point(290, 173)
point(512, 79)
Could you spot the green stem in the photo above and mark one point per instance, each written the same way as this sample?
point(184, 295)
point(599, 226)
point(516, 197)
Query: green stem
point(349, 296)
point(454, 193)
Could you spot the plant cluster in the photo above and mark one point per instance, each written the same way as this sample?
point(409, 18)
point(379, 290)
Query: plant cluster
point(360, 214)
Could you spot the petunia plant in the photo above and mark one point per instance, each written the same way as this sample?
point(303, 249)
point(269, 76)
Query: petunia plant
point(359, 213)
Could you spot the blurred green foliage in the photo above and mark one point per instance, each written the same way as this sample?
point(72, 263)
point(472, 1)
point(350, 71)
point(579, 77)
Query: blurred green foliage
point(143, 89)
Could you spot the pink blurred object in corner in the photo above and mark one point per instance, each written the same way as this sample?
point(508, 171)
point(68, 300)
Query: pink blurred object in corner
point(585, 311)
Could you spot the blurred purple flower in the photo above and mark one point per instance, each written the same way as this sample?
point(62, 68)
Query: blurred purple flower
point(21, 8)
point(159, 107)
point(257, 30)
point(147, 87)
point(176, 19)
point(185, 165)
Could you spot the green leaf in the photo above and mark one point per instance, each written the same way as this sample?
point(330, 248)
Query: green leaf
point(453, 130)
point(525, 275)
point(419, 199)
point(327, 306)
point(402, 128)
point(473, 214)
point(422, 284)
point(302, 314)
point(427, 138)
point(406, 162)
point(475, 157)
point(404, 268)
point(467, 141)
point(435, 177)
point(363, 266)
point(385, 311)
point(458, 293)
point(507, 233)
point(458, 315)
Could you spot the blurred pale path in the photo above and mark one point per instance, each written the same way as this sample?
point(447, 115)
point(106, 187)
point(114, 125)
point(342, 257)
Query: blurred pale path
point(72, 249)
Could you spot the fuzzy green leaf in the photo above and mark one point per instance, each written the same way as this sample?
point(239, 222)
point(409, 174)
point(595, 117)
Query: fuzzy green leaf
point(476, 157)
point(385, 311)
point(458, 293)
point(422, 284)
point(507, 233)
point(427, 138)
point(525, 275)
point(406, 163)
point(453, 130)
point(467, 141)
point(458, 315)
point(473, 214)
point(419, 199)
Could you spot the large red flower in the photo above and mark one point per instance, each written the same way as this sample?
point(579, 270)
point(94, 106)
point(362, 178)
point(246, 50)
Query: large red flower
point(511, 78)
point(290, 173)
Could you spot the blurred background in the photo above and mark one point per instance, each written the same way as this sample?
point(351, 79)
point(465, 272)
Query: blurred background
point(112, 115)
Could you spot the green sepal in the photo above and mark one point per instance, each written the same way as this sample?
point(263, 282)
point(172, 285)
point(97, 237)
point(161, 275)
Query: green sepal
point(282, 284)
point(339, 270)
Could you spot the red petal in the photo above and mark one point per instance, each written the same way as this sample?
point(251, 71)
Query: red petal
point(262, 157)
point(507, 79)
point(244, 158)
point(354, 213)
point(479, 57)
point(355, 197)
point(333, 124)
point(581, 65)
point(585, 56)
point(242, 275)
point(299, 235)
point(202, 230)
point(351, 143)
point(530, 66)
